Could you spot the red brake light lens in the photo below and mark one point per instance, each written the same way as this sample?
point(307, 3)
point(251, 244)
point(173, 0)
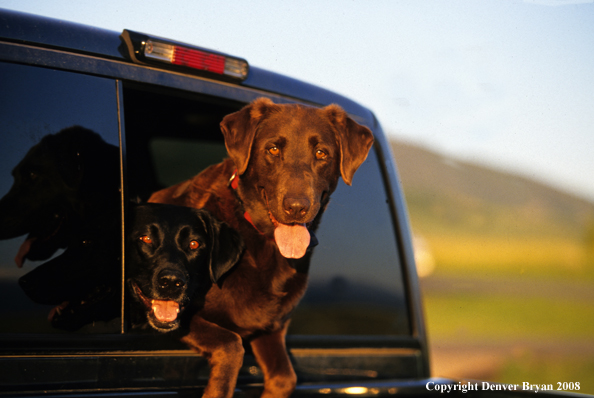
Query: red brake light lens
point(152, 49)
point(199, 60)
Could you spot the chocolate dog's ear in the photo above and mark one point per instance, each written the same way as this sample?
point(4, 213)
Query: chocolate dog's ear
point(226, 246)
point(354, 139)
point(239, 130)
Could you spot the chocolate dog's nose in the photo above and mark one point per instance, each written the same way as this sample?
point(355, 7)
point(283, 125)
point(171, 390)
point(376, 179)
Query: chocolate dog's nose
point(296, 206)
point(171, 282)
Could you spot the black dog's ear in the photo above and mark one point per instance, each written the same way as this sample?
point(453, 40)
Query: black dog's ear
point(354, 139)
point(239, 130)
point(226, 246)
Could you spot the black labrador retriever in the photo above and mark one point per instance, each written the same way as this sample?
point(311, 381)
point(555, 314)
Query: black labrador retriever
point(66, 195)
point(173, 255)
point(66, 182)
point(84, 282)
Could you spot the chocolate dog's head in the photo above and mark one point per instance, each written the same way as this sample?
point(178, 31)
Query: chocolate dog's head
point(288, 159)
point(173, 255)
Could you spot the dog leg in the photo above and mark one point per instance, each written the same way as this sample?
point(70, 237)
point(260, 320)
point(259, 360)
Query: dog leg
point(271, 353)
point(224, 351)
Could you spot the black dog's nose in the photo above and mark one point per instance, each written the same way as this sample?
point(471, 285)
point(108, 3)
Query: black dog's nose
point(171, 282)
point(296, 206)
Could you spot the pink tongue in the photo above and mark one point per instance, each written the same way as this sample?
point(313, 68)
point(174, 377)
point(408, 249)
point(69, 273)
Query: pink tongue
point(165, 310)
point(292, 240)
point(23, 251)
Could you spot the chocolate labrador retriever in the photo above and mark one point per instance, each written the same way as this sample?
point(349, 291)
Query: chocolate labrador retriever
point(285, 161)
point(173, 255)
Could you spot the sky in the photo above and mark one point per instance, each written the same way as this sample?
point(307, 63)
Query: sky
point(505, 83)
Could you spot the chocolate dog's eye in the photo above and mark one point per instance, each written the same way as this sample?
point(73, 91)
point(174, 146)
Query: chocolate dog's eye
point(274, 151)
point(194, 245)
point(146, 239)
point(321, 155)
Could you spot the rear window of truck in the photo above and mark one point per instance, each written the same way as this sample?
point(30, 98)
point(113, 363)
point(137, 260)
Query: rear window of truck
point(356, 282)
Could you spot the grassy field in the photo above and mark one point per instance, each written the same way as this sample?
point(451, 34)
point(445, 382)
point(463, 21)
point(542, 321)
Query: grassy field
point(524, 339)
point(551, 370)
point(511, 310)
point(511, 294)
point(499, 319)
point(510, 254)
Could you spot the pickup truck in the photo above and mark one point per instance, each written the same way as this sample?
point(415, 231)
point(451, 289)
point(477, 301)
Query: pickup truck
point(153, 107)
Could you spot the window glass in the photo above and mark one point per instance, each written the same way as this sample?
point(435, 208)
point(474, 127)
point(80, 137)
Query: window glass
point(60, 243)
point(355, 277)
point(356, 284)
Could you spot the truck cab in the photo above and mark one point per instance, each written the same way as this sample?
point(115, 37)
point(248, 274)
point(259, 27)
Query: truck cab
point(152, 107)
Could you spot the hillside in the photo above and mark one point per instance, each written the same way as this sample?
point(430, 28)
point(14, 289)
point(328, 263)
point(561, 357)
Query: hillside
point(506, 273)
point(460, 207)
point(466, 196)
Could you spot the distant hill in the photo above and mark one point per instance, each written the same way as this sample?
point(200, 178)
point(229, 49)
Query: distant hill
point(455, 194)
point(447, 197)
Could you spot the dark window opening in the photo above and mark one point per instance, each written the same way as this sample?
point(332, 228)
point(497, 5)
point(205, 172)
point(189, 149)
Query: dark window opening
point(170, 137)
point(356, 284)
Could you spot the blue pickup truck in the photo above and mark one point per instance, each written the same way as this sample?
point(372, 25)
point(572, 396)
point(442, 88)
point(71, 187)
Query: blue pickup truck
point(153, 107)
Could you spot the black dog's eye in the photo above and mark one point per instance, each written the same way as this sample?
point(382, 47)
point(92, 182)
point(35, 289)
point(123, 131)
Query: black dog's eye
point(321, 155)
point(146, 239)
point(194, 245)
point(274, 151)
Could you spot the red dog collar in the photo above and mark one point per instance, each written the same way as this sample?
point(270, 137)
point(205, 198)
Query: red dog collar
point(234, 184)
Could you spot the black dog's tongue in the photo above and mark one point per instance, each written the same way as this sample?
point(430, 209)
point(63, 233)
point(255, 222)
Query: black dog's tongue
point(165, 310)
point(23, 251)
point(292, 240)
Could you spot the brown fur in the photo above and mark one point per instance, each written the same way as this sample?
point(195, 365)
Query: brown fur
point(255, 300)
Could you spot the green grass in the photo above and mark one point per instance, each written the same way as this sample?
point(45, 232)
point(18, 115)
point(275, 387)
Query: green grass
point(550, 370)
point(496, 318)
point(464, 251)
point(540, 339)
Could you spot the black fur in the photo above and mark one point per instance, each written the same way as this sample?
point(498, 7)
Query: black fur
point(66, 195)
point(162, 265)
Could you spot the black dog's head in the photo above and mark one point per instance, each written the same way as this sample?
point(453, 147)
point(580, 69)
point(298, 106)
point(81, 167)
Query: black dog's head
point(173, 256)
point(66, 177)
point(289, 159)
